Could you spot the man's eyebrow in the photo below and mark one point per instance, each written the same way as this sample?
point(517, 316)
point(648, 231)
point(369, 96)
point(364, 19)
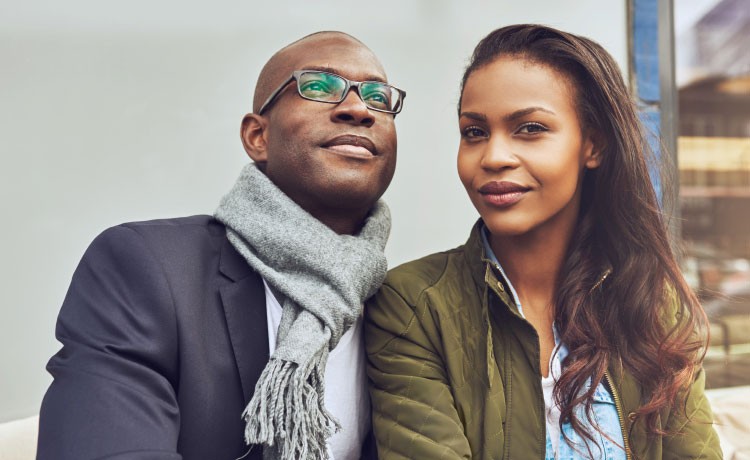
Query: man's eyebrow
point(527, 111)
point(474, 116)
point(370, 77)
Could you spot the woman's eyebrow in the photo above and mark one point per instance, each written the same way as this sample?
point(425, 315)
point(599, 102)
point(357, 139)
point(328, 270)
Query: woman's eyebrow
point(474, 116)
point(523, 112)
point(510, 117)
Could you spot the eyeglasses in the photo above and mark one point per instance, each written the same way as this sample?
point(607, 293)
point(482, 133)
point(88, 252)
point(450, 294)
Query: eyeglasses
point(330, 88)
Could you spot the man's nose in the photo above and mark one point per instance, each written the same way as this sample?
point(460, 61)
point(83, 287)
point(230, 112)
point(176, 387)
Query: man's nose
point(352, 110)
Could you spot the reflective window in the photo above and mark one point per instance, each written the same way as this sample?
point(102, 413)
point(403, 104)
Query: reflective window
point(713, 79)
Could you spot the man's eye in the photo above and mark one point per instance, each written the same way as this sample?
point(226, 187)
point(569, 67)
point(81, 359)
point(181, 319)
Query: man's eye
point(531, 128)
point(315, 87)
point(378, 99)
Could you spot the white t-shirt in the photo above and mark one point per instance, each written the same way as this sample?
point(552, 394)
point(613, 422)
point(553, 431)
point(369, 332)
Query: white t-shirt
point(345, 380)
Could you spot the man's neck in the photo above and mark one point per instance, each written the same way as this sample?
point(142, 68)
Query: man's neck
point(345, 221)
point(349, 224)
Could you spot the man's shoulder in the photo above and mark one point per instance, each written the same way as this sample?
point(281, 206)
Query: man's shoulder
point(177, 224)
point(174, 229)
point(182, 237)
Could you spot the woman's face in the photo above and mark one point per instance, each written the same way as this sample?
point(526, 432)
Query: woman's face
point(522, 153)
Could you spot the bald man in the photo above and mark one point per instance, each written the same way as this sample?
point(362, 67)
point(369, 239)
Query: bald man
point(238, 335)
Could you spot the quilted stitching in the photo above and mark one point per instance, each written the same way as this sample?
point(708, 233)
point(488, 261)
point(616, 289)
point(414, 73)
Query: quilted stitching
point(436, 389)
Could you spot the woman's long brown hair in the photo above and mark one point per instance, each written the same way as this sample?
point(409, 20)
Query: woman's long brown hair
point(643, 317)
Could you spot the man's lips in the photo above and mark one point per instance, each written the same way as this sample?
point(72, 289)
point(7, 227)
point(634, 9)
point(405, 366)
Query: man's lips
point(502, 193)
point(349, 144)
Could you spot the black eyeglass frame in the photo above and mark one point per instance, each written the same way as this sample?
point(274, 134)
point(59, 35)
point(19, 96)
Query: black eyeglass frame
point(349, 85)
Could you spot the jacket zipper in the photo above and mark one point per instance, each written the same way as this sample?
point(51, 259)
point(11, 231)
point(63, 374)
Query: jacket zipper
point(615, 396)
point(620, 415)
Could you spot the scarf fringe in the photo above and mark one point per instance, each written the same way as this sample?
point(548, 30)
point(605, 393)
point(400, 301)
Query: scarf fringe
point(321, 273)
point(289, 413)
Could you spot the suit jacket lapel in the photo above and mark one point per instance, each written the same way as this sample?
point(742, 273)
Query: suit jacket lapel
point(244, 303)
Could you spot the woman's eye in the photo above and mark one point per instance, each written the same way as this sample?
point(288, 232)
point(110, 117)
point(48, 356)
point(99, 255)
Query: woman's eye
point(531, 128)
point(473, 132)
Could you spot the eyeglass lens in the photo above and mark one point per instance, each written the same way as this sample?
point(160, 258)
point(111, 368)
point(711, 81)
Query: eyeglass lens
point(321, 86)
point(326, 87)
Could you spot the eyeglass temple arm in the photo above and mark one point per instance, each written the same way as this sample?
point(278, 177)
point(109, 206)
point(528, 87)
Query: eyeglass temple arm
point(274, 95)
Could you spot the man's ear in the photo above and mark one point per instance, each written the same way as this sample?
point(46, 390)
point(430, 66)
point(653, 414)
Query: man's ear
point(253, 135)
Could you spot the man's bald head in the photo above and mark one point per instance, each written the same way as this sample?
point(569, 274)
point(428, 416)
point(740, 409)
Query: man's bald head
point(284, 62)
point(334, 160)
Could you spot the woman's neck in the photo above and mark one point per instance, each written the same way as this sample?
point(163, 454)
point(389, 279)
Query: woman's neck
point(532, 263)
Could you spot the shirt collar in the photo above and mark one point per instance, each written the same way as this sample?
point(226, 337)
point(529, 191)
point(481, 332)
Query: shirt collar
point(493, 258)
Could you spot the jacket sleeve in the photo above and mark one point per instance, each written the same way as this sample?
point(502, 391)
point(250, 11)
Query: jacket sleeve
point(695, 436)
point(113, 393)
point(414, 415)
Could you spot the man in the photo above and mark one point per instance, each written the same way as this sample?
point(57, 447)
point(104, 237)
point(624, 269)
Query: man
point(168, 325)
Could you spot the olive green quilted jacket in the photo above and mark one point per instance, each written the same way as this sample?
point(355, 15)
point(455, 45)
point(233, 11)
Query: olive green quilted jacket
point(454, 371)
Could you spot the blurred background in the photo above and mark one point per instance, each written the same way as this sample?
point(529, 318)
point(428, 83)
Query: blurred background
point(713, 156)
point(121, 111)
point(713, 85)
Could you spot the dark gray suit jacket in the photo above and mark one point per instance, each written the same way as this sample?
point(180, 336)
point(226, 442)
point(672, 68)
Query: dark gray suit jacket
point(164, 336)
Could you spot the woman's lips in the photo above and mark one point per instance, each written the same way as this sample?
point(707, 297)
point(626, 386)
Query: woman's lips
point(502, 194)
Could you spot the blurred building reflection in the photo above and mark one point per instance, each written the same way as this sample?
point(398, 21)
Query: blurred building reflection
point(714, 164)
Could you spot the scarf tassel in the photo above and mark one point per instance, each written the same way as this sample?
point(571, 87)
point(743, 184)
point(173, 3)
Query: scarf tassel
point(290, 411)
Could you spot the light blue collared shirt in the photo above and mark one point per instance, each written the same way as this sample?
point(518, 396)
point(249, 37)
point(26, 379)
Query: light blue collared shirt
point(608, 437)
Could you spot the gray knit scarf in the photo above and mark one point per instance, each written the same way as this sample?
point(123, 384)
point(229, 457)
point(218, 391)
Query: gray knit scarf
point(325, 278)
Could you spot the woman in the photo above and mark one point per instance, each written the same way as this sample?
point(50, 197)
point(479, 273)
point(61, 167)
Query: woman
point(563, 327)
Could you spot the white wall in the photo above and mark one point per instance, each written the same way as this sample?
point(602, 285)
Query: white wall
point(118, 111)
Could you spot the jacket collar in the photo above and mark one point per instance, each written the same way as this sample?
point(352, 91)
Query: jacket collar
point(232, 264)
point(244, 303)
point(474, 253)
point(486, 272)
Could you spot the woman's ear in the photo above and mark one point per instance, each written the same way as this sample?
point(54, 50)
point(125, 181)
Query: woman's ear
point(594, 159)
point(594, 148)
point(253, 135)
